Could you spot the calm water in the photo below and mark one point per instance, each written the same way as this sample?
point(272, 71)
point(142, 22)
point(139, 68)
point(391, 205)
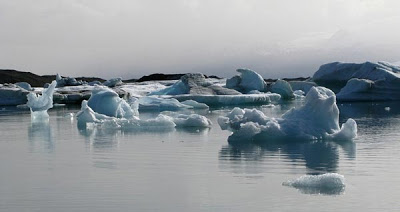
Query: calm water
point(56, 167)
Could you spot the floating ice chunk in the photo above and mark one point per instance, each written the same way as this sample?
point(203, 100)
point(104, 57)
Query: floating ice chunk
point(317, 119)
point(298, 94)
point(223, 100)
point(192, 120)
point(283, 88)
point(161, 104)
point(302, 85)
point(24, 85)
point(87, 115)
point(42, 102)
point(195, 104)
point(247, 81)
point(67, 81)
point(330, 183)
point(113, 82)
point(106, 101)
point(195, 84)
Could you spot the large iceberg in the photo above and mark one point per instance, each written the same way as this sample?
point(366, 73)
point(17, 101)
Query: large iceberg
point(106, 101)
point(337, 74)
point(329, 183)
point(195, 84)
point(248, 80)
point(67, 81)
point(318, 119)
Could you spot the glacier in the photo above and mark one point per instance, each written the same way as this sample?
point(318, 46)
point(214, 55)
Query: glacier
point(317, 119)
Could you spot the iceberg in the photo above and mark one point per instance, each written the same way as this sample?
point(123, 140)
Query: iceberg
point(107, 102)
point(283, 88)
point(195, 105)
point(248, 80)
point(161, 104)
point(67, 81)
point(195, 84)
point(113, 82)
point(302, 85)
point(329, 183)
point(192, 120)
point(368, 90)
point(87, 117)
point(337, 74)
point(24, 85)
point(42, 102)
point(224, 100)
point(317, 119)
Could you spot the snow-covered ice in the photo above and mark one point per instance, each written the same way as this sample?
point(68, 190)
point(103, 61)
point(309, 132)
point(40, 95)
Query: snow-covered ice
point(247, 80)
point(192, 120)
point(329, 183)
point(318, 119)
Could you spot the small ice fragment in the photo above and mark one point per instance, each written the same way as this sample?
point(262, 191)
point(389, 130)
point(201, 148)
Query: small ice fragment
point(329, 183)
point(387, 109)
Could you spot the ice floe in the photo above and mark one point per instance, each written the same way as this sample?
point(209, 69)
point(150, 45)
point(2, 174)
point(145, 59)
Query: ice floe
point(317, 119)
point(329, 183)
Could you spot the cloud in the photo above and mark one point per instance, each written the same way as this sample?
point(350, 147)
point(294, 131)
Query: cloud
point(131, 38)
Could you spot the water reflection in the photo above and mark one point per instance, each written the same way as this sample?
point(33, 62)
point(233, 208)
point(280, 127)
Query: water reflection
point(318, 157)
point(40, 136)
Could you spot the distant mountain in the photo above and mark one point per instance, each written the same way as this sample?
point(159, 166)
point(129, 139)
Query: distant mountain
point(13, 76)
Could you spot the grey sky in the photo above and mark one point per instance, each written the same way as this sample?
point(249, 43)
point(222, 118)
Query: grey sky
point(130, 38)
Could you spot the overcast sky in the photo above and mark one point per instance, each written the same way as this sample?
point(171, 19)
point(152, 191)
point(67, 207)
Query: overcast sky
point(131, 38)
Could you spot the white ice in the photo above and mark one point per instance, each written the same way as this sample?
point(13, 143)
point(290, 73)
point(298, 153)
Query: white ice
point(223, 100)
point(329, 183)
point(283, 88)
point(24, 85)
point(246, 81)
point(42, 102)
point(161, 104)
point(106, 101)
point(342, 72)
point(317, 119)
point(192, 120)
point(113, 82)
point(195, 104)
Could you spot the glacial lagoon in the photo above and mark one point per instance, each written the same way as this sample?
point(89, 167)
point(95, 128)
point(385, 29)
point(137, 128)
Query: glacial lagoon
point(54, 166)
